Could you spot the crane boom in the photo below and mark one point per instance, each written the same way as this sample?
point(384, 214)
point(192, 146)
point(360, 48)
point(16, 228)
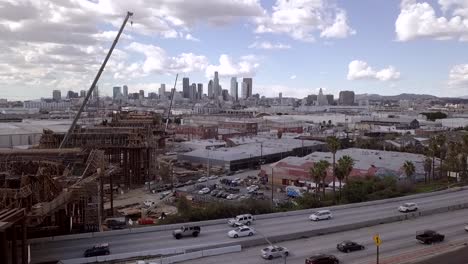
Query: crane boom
point(93, 85)
point(172, 99)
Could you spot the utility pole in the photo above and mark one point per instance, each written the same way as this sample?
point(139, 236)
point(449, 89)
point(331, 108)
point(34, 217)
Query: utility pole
point(272, 186)
point(93, 85)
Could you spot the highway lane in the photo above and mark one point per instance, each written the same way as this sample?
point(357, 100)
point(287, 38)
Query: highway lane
point(216, 234)
point(398, 243)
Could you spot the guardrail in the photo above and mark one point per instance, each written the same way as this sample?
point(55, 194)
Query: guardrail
point(221, 221)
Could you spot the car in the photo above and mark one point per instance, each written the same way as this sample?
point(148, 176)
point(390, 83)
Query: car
point(179, 184)
point(189, 182)
point(271, 252)
point(322, 259)
point(204, 191)
point(203, 179)
point(116, 223)
point(241, 231)
point(252, 188)
point(429, 237)
point(213, 177)
point(232, 196)
point(233, 189)
point(97, 250)
point(466, 227)
point(321, 215)
point(348, 246)
point(408, 207)
point(236, 180)
point(186, 231)
point(231, 173)
point(214, 192)
point(149, 203)
point(164, 194)
point(225, 195)
point(243, 219)
point(146, 221)
point(220, 194)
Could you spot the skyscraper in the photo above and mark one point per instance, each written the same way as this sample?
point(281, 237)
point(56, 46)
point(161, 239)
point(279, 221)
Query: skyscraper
point(248, 82)
point(245, 90)
point(162, 91)
point(116, 92)
point(125, 91)
point(321, 98)
point(193, 92)
point(216, 88)
point(346, 98)
point(330, 99)
point(56, 95)
point(83, 93)
point(234, 89)
point(200, 91)
point(96, 92)
point(225, 94)
point(142, 94)
point(210, 89)
point(186, 87)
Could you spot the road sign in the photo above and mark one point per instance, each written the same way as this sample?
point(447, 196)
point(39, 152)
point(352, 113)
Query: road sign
point(377, 240)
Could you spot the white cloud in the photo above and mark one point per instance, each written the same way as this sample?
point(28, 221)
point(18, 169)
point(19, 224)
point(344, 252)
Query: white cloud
point(190, 37)
point(358, 70)
point(268, 45)
point(293, 77)
point(246, 66)
point(419, 20)
point(301, 19)
point(458, 76)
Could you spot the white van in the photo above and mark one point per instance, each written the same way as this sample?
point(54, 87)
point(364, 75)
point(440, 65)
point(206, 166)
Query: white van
point(321, 215)
point(240, 220)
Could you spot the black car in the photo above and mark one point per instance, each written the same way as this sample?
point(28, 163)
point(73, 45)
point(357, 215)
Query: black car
point(429, 237)
point(348, 246)
point(322, 259)
point(97, 250)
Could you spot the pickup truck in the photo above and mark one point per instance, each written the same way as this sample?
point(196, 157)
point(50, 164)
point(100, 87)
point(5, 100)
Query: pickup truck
point(429, 237)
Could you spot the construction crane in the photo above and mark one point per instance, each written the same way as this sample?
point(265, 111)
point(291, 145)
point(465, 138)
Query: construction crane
point(93, 85)
point(170, 105)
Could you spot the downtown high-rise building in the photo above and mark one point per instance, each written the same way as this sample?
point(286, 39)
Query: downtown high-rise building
point(200, 91)
point(346, 98)
point(210, 89)
point(56, 95)
point(234, 89)
point(83, 93)
point(216, 87)
point(116, 92)
point(125, 91)
point(185, 87)
point(247, 88)
point(193, 92)
point(141, 94)
point(162, 91)
point(321, 98)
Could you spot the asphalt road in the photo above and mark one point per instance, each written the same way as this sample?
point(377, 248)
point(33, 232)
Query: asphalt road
point(217, 234)
point(398, 244)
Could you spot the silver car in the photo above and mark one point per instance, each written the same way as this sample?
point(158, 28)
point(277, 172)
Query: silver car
point(271, 252)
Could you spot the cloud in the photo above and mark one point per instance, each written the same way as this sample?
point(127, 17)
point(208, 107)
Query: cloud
point(190, 37)
point(358, 70)
point(293, 77)
point(419, 20)
point(268, 45)
point(302, 19)
point(246, 66)
point(458, 76)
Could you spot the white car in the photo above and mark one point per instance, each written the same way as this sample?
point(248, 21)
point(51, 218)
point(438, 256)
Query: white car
point(240, 220)
point(252, 188)
point(204, 191)
point(213, 177)
point(271, 252)
point(466, 227)
point(408, 207)
point(149, 203)
point(203, 179)
point(241, 231)
point(321, 215)
point(232, 196)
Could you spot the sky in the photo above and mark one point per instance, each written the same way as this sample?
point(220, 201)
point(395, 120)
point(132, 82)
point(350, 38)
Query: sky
point(291, 46)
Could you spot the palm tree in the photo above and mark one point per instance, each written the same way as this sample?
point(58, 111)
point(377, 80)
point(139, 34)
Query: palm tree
point(343, 169)
point(409, 169)
point(433, 149)
point(441, 140)
point(427, 169)
point(333, 145)
point(322, 166)
point(315, 176)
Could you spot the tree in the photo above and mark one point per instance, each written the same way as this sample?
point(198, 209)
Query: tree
point(409, 169)
point(433, 149)
point(333, 144)
point(452, 157)
point(343, 169)
point(427, 168)
point(441, 140)
point(315, 176)
point(321, 171)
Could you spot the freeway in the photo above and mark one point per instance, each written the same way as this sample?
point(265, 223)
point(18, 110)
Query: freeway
point(216, 234)
point(398, 244)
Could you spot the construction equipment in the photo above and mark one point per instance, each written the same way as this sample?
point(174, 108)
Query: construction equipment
point(172, 99)
point(93, 85)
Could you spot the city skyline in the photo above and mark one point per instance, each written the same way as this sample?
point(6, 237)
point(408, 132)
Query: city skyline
point(331, 45)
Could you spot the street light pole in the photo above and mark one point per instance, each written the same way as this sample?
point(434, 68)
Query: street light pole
point(272, 186)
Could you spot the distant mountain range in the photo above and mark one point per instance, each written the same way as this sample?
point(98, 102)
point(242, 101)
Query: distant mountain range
point(403, 96)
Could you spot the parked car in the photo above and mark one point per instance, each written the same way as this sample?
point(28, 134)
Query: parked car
point(233, 189)
point(220, 194)
point(164, 194)
point(214, 192)
point(322, 259)
point(348, 246)
point(97, 250)
point(179, 184)
point(204, 191)
point(203, 179)
point(429, 237)
point(146, 221)
point(241, 232)
point(230, 173)
point(408, 207)
point(116, 223)
point(189, 182)
point(240, 220)
point(321, 215)
point(232, 196)
point(271, 252)
point(252, 188)
point(225, 195)
point(149, 203)
point(213, 177)
point(186, 231)
point(466, 227)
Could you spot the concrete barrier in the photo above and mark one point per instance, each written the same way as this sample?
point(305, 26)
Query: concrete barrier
point(199, 254)
point(221, 221)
